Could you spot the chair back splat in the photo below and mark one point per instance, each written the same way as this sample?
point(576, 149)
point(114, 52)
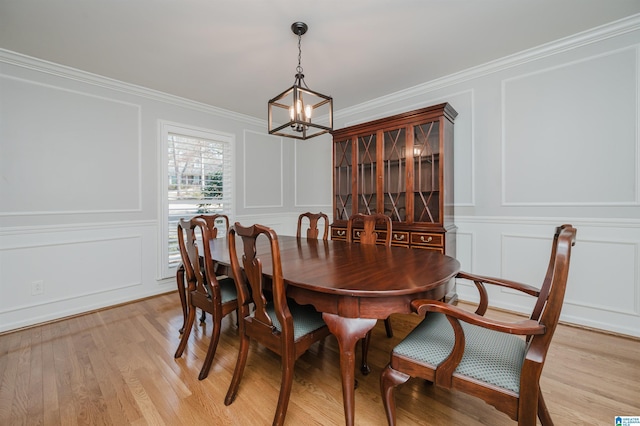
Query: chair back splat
point(312, 230)
point(499, 362)
point(280, 324)
point(371, 224)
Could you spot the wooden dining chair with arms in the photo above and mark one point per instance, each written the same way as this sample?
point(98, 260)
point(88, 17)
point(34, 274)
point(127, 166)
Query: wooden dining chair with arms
point(499, 362)
point(312, 230)
point(280, 324)
point(212, 294)
point(369, 235)
point(212, 220)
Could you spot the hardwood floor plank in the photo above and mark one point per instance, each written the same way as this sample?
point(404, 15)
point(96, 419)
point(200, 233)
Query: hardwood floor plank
point(9, 346)
point(19, 406)
point(51, 412)
point(116, 367)
point(35, 396)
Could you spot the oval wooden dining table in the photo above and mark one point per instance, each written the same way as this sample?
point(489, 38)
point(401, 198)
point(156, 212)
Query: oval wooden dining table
point(353, 285)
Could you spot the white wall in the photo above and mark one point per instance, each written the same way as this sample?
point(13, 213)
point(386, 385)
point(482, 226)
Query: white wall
point(545, 137)
point(80, 186)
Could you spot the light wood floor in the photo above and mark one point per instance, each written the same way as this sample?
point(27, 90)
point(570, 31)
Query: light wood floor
point(116, 367)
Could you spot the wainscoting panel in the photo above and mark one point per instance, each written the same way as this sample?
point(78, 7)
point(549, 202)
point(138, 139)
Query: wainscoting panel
point(465, 255)
point(611, 267)
point(49, 273)
point(69, 269)
point(604, 286)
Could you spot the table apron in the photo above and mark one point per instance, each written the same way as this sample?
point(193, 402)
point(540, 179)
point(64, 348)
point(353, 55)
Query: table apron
point(348, 306)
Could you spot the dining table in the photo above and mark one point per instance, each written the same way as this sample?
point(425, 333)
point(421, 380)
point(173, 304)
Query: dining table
point(353, 285)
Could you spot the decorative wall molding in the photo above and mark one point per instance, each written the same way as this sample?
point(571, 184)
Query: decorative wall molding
point(39, 65)
point(538, 129)
point(604, 281)
point(63, 228)
point(87, 126)
point(304, 178)
point(90, 289)
point(268, 168)
point(584, 38)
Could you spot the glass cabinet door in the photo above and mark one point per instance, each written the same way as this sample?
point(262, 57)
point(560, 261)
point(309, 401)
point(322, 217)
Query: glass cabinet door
point(366, 174)
point(342, 179)
point(426, 160)
point(395, 174)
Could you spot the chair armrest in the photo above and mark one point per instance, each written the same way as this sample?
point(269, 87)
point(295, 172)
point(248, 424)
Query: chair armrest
point(530, 290)
point(480, 281)
point(524, 328)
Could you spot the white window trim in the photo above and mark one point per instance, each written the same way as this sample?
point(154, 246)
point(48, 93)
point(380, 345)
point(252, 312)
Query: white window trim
point(164, 129)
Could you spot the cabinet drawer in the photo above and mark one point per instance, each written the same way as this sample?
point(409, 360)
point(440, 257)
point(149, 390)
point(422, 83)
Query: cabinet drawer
point(426, 239)
point(338, 233)
point(382, 235)
point(432, 248)
point(400, 238)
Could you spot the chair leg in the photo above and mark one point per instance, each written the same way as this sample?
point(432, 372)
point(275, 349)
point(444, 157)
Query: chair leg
point(237, 372)
point(213, 344)
point(364, 366)
point(543, 412)
point(387, 326)
point(528, 406)
point(182, 292)
point(389, 379)
point(187, 331)
point(285, 389)
point(203, 317)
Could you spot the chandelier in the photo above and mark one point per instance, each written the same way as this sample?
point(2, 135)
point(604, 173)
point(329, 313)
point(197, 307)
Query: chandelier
point(291, 112)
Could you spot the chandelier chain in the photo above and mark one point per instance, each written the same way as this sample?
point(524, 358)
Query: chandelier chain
point(299, 68)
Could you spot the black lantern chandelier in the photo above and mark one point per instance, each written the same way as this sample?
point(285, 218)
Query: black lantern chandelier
point(291, 112)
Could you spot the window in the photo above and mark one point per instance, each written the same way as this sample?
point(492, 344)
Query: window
point(196, 179)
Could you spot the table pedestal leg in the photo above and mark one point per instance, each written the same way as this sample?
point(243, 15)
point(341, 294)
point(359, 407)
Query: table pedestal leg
point(348, 331)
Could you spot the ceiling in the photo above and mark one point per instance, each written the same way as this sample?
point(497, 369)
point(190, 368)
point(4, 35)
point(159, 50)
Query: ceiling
point(237, 54)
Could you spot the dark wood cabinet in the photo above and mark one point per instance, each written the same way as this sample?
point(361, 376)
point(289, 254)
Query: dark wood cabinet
point(401, 166)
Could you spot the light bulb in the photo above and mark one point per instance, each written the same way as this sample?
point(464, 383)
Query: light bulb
point(307, 112)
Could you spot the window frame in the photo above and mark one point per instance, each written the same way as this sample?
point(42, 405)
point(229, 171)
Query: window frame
point(165, 128)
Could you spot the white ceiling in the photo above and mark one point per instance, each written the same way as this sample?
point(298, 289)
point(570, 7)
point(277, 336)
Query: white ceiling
point(237, 54)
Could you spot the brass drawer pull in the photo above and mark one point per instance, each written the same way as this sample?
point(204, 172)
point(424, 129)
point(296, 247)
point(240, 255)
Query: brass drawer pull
point(428, 240)
point(341, 233)
point(398, 237)
point(358, 234)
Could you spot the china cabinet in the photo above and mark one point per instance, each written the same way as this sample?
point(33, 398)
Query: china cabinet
point(401, 166)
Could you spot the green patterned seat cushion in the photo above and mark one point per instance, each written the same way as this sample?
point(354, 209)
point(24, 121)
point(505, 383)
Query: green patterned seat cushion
point(227, 290)
point(489, 356)
point(305, 319)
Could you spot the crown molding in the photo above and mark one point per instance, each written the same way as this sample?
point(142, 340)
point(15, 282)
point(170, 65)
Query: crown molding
point(17, 59)
point(594, 35)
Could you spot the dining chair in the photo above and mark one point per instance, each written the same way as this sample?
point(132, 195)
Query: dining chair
point(213, 294)
point(313, 231)
point(212, 221)
point(369, 235)
point(280, 324)
point(499, 362)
